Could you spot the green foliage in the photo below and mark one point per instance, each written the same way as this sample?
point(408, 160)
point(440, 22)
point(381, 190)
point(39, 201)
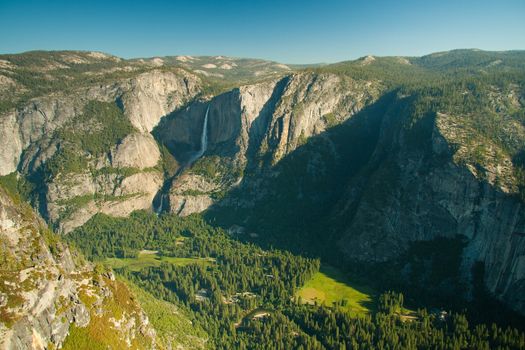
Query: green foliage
point(330, 119)
point(220, 170)
point(247, 298)
point(73, 204)
point(209, 167)
point(192, 192)
point(434, 68)
point(470, 86)
point(52, 240)
point(169, 163)
point(176, 276)
point(142, 230)
point(101, 332)
point(17, 186)
point(101, 126)
point(65, 160)
point(172, 324)
point(387, 330)
point(6, 105)
point(474, 60)
point(134, 261)
point(10, 183)
point(120, 171)
point(391, 70)
point(38, 73)
point(435, 263)
point(390, 303)
point(80, 338)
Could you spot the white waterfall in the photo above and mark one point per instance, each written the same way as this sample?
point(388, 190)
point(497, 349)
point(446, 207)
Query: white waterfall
point(204, 145)
point(158, 210)
point(204, 139)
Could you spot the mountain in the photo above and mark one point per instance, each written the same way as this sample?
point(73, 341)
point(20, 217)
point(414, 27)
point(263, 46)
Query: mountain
point(223, 68)
point(410, 169)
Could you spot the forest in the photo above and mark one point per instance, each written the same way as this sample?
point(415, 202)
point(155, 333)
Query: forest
point(245, 297)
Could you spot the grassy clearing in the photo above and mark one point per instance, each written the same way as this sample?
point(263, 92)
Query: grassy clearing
point(329, 285)
point(151, 259)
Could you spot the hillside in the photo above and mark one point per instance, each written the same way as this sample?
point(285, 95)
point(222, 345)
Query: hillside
point(50, 296)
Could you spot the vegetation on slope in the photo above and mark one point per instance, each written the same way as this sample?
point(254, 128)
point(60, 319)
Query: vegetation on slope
point(47, 287)
point(171, 323)
point(39, 73)
point(108, 328)
point(91, 134)
point(152, 259)
point(248, 297)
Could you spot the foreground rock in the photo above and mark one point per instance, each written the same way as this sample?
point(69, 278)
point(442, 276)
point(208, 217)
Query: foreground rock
point(50, 297)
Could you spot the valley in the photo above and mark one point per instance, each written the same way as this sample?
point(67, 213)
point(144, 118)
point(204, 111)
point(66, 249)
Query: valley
point(223, 203)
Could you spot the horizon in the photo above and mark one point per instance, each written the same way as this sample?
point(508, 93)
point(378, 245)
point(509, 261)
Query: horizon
point(294, 32)
point(258, 58)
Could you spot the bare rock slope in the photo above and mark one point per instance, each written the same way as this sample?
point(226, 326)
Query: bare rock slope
point(49, 297)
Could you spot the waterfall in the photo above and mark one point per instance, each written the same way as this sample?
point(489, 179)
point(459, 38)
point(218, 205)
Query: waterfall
point(204, 139)
point(159, 209)
point(162, 198)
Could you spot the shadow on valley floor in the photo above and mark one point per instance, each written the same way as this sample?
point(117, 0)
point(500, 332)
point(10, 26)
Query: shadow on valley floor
point(297, 204)
point(330, 286)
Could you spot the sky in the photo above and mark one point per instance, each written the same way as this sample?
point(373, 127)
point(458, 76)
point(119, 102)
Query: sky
point(288, 31)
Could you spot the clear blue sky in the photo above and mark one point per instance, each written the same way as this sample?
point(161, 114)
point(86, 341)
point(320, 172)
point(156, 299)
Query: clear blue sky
point(289, 31)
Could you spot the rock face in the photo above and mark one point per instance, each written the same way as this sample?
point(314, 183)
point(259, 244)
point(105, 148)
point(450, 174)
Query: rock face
point(34, 282)
point(430, 190)
point(391, 179)
point(154, 94)
point(309, 104)
point(72, 200)
point(10, 152)
point(270, 116)
point(46, 291)
point(190, 194)
point(29, 124)
point(136, 151)
point(116, 184)
point(264, 121)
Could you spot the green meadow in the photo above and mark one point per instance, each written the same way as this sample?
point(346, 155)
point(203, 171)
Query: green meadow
point(329, 286)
